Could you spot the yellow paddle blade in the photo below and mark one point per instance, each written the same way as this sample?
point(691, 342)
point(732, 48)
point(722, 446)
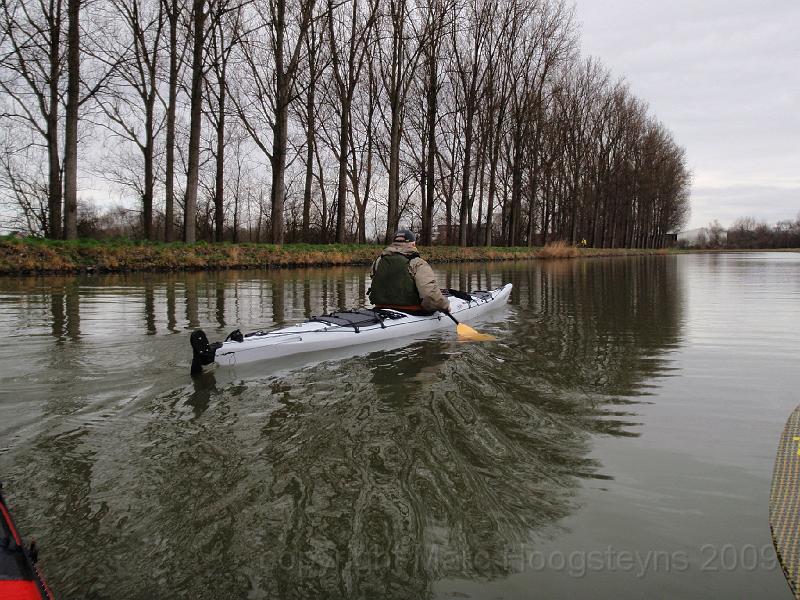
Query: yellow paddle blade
point(468, 333)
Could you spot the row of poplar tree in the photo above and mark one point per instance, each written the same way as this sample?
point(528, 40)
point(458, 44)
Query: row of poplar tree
point(474, 121)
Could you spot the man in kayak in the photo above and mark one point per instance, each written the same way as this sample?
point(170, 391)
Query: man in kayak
point(403, 281)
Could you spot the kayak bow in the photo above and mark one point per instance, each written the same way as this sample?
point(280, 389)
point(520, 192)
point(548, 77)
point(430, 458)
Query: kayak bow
point(20, 578)
point(338, 330)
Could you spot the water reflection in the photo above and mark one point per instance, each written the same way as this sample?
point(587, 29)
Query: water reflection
point(65, 310)
point(169, 291)
point(219, 288)
point(374, 476)
point(278, 298)
point(205, 387)
point(149, 308)
point(57, 312)
point(191, 303)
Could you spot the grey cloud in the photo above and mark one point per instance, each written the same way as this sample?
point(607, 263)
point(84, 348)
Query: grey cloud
point(724, 76)
point(770, 204)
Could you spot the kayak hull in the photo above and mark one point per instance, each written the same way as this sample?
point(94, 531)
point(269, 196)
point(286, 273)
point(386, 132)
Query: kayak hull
point(314, 336)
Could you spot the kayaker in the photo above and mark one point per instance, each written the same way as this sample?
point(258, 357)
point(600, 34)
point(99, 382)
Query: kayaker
point(403, 281)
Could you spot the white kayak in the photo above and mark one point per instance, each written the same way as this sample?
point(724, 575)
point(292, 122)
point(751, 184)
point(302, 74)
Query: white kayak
point(339, 329)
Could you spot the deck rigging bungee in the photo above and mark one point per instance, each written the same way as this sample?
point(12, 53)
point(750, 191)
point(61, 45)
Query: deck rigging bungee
point(20, 578)
point(341, 329)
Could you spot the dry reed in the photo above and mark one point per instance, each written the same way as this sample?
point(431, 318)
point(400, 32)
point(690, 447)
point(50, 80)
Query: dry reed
point(559, 249)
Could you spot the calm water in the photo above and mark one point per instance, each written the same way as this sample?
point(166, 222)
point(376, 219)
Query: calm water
point(616, 441)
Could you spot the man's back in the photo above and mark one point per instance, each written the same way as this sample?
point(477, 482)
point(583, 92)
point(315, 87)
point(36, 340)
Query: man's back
point(401, 279)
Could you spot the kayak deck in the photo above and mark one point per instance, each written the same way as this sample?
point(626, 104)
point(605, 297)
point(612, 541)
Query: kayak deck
point(338, 329)
point(784, 502)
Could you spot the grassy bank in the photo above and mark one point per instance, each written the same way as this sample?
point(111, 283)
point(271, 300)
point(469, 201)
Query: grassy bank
point(32, 255)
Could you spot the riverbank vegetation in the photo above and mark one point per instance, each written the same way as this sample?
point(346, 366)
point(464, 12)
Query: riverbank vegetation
point(476, 124)
point(36, 255)
point(751, 233)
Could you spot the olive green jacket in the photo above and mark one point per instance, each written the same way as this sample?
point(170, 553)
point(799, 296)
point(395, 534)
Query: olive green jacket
point(422, 274)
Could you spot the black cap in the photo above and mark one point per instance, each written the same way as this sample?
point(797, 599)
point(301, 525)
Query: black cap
point(405, 235)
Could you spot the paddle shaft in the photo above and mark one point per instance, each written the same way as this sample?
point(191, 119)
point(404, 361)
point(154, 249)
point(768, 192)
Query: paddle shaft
point(452, 317)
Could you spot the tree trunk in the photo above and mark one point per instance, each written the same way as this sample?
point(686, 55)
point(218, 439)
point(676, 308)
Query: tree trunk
point(169, 209)
point(465, 195)
point(534, 175)
point(310, 131)
point(492, 192)
point(430, 184)
point(515, 215)
point(71, 125)
point(279, 144)
point(362, 215)
point(479, 239)
point(54, 229)
point(193, 176)
point(396, 99)
point(392, 215)
point(341, 194)
point(235, 235)
point(534, 186)
point(219, 180)
point(147, 200)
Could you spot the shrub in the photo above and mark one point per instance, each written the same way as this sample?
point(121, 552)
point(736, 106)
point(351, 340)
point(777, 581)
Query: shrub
point(559, 249)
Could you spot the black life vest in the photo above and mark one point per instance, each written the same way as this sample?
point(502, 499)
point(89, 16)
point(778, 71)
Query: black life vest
point(392, 284)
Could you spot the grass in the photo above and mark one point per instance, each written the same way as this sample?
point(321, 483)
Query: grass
point(36, 255)
point(559, 249)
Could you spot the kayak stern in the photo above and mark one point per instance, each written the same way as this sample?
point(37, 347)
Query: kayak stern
point(203, 352)
point(339, 329)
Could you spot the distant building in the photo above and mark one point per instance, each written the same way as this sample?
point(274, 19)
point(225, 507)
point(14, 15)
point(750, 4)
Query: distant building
point(440, 235)
point(670, 239)
point(702, 237)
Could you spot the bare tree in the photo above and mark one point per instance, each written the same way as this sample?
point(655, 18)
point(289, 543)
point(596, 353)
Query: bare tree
point(498, 90)
point(199, 16)
point(400, 47)
point(474, 110)
point(313, 41)
point(173, 9)
point(470, 37)
point(349, 40)
point(23, 187)
point(436, 25)
point(71, 121)
point(362, 152)
point(225, 30)
point(130, 103)
point(273, 73)
point(32, 63)
point(547, 39)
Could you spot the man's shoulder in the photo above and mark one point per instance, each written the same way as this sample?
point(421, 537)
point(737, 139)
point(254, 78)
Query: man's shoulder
point(415, 262)
point(406, 253)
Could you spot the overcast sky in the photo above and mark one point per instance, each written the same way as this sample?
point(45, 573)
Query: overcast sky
point(724, 76)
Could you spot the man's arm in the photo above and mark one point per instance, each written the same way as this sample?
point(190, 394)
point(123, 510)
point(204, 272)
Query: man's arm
point(428, 289)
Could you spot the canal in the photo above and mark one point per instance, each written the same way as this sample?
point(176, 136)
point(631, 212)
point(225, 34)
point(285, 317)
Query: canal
point(615, 441)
